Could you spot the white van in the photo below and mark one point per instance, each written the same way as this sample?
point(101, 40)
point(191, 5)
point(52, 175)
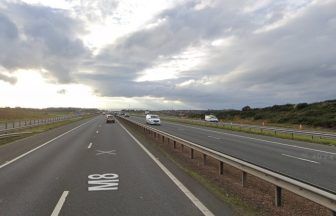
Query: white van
point(153, 119)
point(211, 118)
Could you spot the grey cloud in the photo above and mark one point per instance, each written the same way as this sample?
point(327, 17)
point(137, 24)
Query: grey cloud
point(293, 55)
point(181, 28)
point(94, 10)
point(288, 64)
point(8, 28)
point(38, 37)
point(9, 79)
point(291, 63)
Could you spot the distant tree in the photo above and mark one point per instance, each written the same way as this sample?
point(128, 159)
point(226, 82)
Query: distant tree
point(246, 108)
point(301, 106)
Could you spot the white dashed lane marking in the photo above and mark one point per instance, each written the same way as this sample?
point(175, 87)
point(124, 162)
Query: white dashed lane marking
point(59, 204)
point(310, 161)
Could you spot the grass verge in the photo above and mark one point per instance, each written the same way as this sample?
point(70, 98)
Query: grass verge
point(299, 137)
point(39, 129)
point(239, 206)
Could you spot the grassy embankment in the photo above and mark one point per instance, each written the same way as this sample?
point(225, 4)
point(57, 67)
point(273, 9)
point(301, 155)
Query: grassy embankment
point(300, 137)
point(320, 116)
point(12, 114)
point(40, 129)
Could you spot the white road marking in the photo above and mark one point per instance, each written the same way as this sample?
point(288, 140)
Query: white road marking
point(112, 152)
point(34, 149)
point(179, 184)
point(214, 137)
point(59, 204)
point(90, 145)
point(103, 182)
point(311, 161)
point(257, 139)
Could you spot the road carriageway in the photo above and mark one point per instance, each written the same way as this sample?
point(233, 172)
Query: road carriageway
point(94, 168)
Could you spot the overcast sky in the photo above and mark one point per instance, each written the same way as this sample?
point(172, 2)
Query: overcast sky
point(164, 54)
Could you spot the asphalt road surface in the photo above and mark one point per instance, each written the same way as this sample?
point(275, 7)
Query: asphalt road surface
point(312, 163)
point(90, 168)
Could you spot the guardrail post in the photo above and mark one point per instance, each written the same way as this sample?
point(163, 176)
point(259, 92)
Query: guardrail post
point(182, 147)
point(243, 179)
point(163, 139)
point(221, 167)
point(278, 192)
point(168, 141)
point(204, 159)
point(13, 124)
point(191, 153)
point(174, 144)
point(6, 125)
point(333, 213)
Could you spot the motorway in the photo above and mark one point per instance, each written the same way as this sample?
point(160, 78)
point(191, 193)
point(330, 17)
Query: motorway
point(93, 168)
point(308, 162)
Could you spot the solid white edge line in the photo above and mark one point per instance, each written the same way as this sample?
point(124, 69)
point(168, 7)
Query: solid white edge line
point(235, 135)
point(90, 145)
point(291, 156)
point(40, 146)
point(59, 204)
point(179, 184)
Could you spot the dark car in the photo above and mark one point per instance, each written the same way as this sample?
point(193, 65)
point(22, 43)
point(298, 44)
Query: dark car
point(110, 119)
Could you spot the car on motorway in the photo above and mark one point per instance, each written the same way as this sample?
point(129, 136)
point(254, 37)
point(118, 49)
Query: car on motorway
point(110, 119)
point(153, 119)
point(210, 118)
point(126, 115)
